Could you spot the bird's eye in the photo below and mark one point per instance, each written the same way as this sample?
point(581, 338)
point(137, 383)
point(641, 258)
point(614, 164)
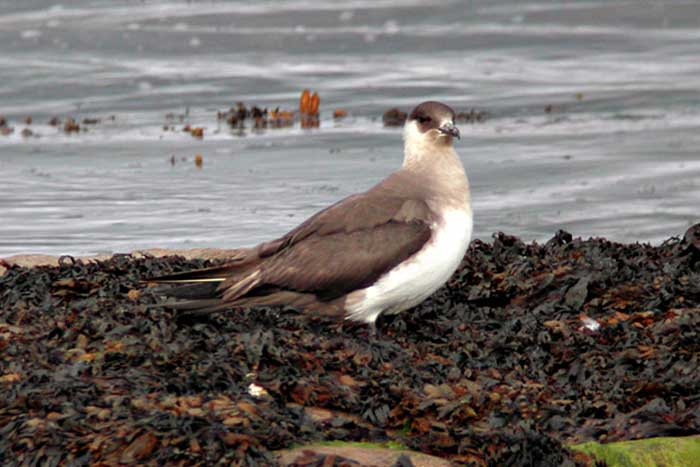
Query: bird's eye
point(424, 119)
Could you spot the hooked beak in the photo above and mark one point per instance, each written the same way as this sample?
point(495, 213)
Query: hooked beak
point(450, 129)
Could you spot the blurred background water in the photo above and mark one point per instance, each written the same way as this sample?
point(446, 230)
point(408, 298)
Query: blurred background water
point(616, 155)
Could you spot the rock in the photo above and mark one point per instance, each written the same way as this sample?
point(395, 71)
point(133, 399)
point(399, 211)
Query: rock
point(363, 454)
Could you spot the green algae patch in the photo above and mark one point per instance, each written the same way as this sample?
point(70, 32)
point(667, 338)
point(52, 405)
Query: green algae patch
point(367, 444)
point(652, 452)
point(362, 453)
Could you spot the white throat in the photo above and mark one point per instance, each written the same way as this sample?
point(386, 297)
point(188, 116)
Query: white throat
point(418, 145)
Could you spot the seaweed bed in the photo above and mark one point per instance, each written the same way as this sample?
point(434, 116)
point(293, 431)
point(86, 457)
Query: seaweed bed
point(528, 348)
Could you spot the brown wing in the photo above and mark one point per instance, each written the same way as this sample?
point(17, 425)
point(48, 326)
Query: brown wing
point(348, 245)
point(345, 247)
point(331, 265)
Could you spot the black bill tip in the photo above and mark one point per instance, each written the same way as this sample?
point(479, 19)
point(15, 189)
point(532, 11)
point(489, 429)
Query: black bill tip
point(450, 129)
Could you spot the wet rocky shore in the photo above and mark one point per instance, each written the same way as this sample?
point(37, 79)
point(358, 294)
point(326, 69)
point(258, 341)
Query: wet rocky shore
point(529, 349)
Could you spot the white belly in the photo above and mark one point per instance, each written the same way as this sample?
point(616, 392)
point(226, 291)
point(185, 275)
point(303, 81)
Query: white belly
point(422, 274)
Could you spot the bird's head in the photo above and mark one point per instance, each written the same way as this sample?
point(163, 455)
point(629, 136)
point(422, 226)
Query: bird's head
point(430, 126)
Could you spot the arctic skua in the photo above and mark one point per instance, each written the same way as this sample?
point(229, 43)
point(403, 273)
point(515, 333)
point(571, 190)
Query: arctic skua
point(381, 251)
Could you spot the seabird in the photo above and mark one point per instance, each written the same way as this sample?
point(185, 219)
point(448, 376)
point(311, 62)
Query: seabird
point(381, 251)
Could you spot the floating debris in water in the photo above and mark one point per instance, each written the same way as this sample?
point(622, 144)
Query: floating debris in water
point(71, 126)
point(281, 118)
point(261, 118)
point(394, 117)
point(242, 118)
point(309, 103)
point(471, 116)
point(170, 116)
point(5, 130)
point(308, 109)
point(237, 116)
point(196, 132)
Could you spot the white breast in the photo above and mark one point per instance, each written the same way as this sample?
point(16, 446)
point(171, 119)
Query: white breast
point(422, 274)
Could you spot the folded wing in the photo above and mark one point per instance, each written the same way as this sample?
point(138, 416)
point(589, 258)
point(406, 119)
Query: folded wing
point(343, 248)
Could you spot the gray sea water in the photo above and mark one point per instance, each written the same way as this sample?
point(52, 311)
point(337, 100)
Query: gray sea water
point(617, 155)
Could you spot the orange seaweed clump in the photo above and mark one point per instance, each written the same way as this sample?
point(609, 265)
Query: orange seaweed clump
point(308, 108)
point(281, 118)
point(305, 101)
point(195, 131)
point(71, 126)
point(281, 114)
point(315, 102)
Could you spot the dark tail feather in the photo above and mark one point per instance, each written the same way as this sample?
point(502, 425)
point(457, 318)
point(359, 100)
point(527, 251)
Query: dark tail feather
point(200, 293)
point(200, 289)
point(211, 275)
point(196, 291)
point(199, 297)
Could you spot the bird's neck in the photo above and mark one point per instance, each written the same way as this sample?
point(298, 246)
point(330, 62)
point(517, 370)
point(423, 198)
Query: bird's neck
point(442, 170)
point(421, 156)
